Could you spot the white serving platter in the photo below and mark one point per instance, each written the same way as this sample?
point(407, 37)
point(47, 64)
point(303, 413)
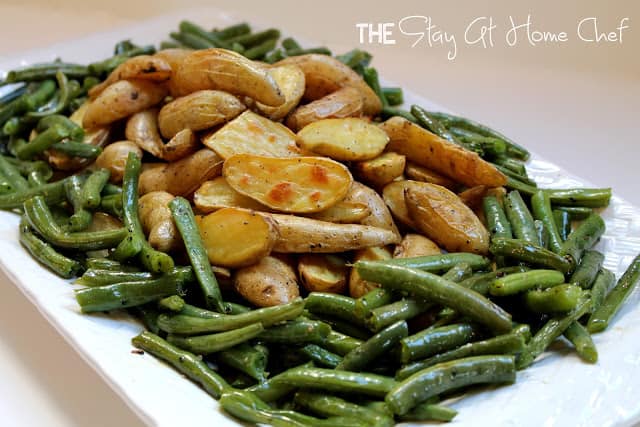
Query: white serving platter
point(557, 390)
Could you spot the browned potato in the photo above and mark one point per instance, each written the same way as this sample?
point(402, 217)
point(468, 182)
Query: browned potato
point(418, 173)
point(345, 102)
point(323, 273)
point(225, 70)
point(143, 67)
point(357, 286)
point(157, 222)
point(302, 235)
point(324, 75)
point(381, 170)
point(290, 80)
point(237, 238)
point(122, 99)
point(217, 194)
point(101, 221)
point(197, 111)
point(174, 58)
point(473, 196)
point(380, 215)
point(441, 216)
point(429, 150)
point(142, 128)
point(271, 281)
point(343, 212)
point(414, 245)
point(297, 185)
point(253, 134)
point(114, 157)
point(181, 145)
point(183, 177)
point(393, 195)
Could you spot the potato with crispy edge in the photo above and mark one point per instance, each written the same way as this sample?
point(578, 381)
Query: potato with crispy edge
point(225, 70)
point(237, 238)
point(323, 273)
point(349, 139)
point(122, 99)
point(324, 75)
point(114, 158)
point(443, 217)
point(218, 194)
point(290, 80)
point(271, 281)
point(381, 170)
point(393, 195)
point(143, 67)
point(429, 150)
point(345, 102)
point(183, 177)
point(198, 111)
point(250, 133)
point(380, 215)
point(343, 212)
point(416, 172)
point(157, 222)
point(296, 185)
point(414, 245)
point(358, 286)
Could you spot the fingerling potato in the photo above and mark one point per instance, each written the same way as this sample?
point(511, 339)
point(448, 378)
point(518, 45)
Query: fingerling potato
point(296, 185)
point(143, 67)
point(180, 146)
point(157, 221)
point(343, 212)
point(323, 273)
point(380, 215)
point(349, 139)
point(414, 245)
point(473, 196)
point(381, 170)
point(142, 128)
point(443, 217)
point(345, 102)
point(114, 158)
point(217, 194)
point(290, 80)
point(416, 172)
point(271, 281)
point(393, 195)
point(236, 238)
point(357, 285)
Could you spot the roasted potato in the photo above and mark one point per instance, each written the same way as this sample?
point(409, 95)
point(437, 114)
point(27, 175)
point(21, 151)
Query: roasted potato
point(183, 144)
point(429, 150)
point(416, 172)
point(217, 194)
point(349, 139)
point(114, 158)
point(324, 75)
point(174, 58)
point(183, 177)
point(343, 212)
point(271, 281)
point(197, 111)
point(290, 80)
point(122, 99)
point(323, 273)
point(157, 222)
point(381, 170)
point(443, 217)
point(358, 286)
point(296, 185)
point(414, 245)
point(225, 70)
point(250, 133)
point(380, 215)
point(393, 195)
point(143, 67)
point(345, 102)
point(142, 128)
point(237, 238)
point(473, 196)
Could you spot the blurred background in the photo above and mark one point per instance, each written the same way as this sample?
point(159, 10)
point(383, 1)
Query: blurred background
point(572, 102)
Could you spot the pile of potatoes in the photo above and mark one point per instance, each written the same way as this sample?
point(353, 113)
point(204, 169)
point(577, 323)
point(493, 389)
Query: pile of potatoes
point(292, 178)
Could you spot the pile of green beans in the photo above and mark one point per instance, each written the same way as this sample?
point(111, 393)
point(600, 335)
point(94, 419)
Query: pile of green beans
point(435, 327)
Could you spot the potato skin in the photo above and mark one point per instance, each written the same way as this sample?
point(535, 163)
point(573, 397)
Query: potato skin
point(143, 67)
point(358, 286)
point(345, 102)
point(443, 217)
point(157, 221)
point(217, 194)
point(290, 80)
point(393, 195)
point(142, 128)
point(114, 157)
point(381, 170)
point(414, 245)
point(416, 172)
point(380, 215)
point(322, 273)
point(271, 281)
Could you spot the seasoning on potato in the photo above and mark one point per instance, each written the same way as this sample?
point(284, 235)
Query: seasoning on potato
point(270, 281)
point(345, 102)
point(323, 273)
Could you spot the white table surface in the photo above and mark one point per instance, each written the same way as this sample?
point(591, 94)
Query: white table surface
point(575, 103)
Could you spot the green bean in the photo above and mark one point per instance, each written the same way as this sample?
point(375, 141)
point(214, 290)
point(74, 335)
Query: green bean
point(334, 305)
point(107, 264)
point(42, 142)
point(511, 343)
point(496, 218)
point(549, 332)
point(558, 299)
point(52, 193)
point(18, 125)
point(520, 218)
point(541, 206)
point(458, 273)
point(93, 187)
point(232, 31)
point(186, 363)
point(581, 340)
point(185, 221)
point(12, 174)
point(289, 44)
point(212, 343)
point(374, 347)
point(393, 95)
point(123, 46)
point(489, 147)
point(45, 71)
point(343, 326)
point(148, 314)
point(432, 124)
point(173, 303)
point(112, 204)
point(581, 197)
point(77, 149)
point(75, 131)
point(165, 44)
point(130, 294)
point(530, 253)
point(254, 39)
point(321, 356)
point(373, 299)
point(297, 331)
point(189, 28)
point(273, 389)
point(563, 222)
point(31, 99)
point(41, 220)
point(436, 340)
point(370, 76)
point(46, 255)
point(521, 282)
point(601, 317)
point(588, 269)
point(582, 238)
point(339, 343)
point(5, 186)
point(404, 309)
point(183, 324)
point(515, 166)
point(327, 406)
point(191, 40)
point(252, 360)
point(355, 58)
point(388, 111)
point(62, 101)
point(261, 49)
point(108, 65)
point(429, 412)
point(575, 212)
point(99, 277)
point(440, 263)
point(480, 282)
point(601, 285)
point(438, 290)
point(274, 56)
point(448, 376)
